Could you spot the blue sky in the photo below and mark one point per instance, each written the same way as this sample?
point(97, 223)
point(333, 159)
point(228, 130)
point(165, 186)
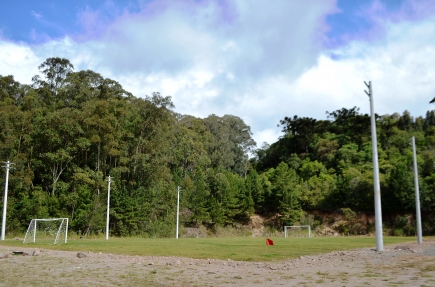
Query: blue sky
point(259, 60)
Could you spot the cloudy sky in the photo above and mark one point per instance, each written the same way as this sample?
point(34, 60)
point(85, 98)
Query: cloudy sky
point(259, 60)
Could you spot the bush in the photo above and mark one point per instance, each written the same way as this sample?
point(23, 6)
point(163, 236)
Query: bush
point(398, 232)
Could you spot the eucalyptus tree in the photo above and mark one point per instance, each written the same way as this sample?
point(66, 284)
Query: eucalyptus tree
point(191, 139)
point(56, 138)
point(232, 142)
point(54, 72)
point(11, 91)
point(82, 87)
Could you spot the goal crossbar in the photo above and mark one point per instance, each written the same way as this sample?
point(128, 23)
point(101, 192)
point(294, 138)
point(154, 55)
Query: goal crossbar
point(32, 229)
point(296, 226)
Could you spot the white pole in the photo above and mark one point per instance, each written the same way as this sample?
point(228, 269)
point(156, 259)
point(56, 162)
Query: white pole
point(66, 231)
point(5, 202)
point(34, 231)
point(417, 194)
point(377, 187)
point(108, 207)
point(178, 211)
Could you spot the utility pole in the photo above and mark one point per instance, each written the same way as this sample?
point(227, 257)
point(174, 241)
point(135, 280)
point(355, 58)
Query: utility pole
point(5, 201)
point(377, 187)
point(178, 211)
point(108, 207)
point(417, 194)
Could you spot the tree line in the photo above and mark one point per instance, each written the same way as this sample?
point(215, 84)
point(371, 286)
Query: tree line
point(68, 131)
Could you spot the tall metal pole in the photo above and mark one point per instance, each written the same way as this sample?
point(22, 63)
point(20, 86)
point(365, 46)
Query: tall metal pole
point(108, 207)
point(377, 188)
point(178, 211)
point(417, 194)
point(5, 202)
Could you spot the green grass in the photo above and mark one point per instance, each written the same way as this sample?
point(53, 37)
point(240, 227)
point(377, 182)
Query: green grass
point(234, 248)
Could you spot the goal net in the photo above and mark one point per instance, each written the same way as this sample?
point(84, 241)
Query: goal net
point(297, 231)
point(47, 230)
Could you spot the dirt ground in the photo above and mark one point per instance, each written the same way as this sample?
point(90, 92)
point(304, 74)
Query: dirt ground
point(409, 264)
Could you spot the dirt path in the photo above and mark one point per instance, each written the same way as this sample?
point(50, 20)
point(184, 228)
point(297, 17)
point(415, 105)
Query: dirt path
point(398, 265)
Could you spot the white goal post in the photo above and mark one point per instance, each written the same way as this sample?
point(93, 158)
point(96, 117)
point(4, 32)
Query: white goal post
point(286, 228)
point(50, 228)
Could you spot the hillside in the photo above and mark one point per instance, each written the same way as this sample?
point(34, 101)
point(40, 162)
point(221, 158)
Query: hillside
point(68, 131)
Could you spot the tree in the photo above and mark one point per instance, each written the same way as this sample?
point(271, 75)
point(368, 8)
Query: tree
point(301, 131)
point(387, 124)
point(405, 121)
point(57, 140)
point(189, 146)
point(55, 71)
point(255, 189)
point(232, 141)
point(327, 150)
point(317, 192)
point(400, 193)
point(11, 91)
point(284, 183)
point(82, 87)
point(197, 194)
point(350, 125)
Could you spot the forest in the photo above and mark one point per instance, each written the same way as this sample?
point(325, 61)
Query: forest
point(67, 131)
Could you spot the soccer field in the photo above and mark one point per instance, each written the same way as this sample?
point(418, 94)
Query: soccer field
point(234, 248)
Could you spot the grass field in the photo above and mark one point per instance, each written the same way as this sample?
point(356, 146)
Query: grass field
point(234, 248)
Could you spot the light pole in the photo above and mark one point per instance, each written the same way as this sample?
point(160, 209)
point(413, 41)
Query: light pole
point(5, 201)
point(178, 211)
point(108, 207)
point(417, 194)
point(377, 188)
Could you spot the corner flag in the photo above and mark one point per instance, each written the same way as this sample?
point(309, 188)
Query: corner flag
point(269, 241)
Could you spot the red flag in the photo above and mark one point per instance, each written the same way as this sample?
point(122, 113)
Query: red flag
point(269, 241)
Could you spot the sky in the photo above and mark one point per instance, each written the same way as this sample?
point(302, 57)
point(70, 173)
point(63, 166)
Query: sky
point(258, 60)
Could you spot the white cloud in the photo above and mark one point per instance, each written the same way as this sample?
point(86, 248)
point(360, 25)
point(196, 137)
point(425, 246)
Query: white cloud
point(258, 60)
point(36, 15)
point(401, 67)
point(224, 65)
point(19, 61)
point(268, 135)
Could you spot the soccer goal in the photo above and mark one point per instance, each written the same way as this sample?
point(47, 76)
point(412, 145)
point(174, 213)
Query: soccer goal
point(297, 231)
point(48, 230)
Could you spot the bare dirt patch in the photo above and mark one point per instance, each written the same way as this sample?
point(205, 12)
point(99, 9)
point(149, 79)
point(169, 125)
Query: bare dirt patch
point(408, 264)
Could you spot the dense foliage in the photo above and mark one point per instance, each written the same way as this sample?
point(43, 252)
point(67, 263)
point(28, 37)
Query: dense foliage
point(332, 162)
point(68, 131)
